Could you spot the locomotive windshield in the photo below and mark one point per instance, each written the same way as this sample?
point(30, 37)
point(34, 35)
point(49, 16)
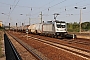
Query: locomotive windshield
point(60, 25)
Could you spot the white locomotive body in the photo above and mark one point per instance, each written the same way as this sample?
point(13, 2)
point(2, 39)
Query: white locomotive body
point(56, 28)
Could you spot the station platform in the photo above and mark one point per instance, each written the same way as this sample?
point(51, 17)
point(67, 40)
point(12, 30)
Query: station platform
point(85, 35)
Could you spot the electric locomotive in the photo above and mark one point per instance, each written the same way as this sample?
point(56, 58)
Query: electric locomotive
point(50, 28)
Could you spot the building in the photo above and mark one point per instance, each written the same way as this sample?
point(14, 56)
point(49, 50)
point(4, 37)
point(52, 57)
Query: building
point(0, 23)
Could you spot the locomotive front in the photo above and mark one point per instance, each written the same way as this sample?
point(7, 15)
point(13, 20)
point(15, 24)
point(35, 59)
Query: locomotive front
point(60, 28)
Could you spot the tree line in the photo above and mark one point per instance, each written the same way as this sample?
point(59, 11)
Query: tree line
point(75, 27)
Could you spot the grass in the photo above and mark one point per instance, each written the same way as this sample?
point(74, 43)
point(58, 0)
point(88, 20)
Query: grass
point(0, 47)
point(0, 44)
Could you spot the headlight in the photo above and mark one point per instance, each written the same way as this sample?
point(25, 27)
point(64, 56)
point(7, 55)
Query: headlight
point(57, 29)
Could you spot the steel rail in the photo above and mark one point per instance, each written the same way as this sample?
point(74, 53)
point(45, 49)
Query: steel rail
point(76, 51)
point(28, 48)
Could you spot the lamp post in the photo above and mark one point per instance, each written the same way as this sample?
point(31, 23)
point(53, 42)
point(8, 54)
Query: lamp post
point(80, 16)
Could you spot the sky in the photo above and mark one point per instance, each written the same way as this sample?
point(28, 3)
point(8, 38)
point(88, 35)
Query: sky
point(28, 11)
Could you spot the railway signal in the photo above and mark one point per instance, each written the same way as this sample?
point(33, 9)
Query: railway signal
point(27, 33)
point(9, 26)
point(16, 27)
point(80, 15)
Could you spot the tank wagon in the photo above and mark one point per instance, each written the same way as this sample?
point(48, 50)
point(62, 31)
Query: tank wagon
point(21, 28)
point(50, 28)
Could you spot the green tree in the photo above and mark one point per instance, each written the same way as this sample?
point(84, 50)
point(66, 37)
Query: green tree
point(86, 26)
point(73, 27)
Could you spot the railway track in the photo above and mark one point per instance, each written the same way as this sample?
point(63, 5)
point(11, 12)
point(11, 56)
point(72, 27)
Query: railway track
point(78, 41)
point(84, 42)
point(80, 52)
point(76, 51)
point(34, 52)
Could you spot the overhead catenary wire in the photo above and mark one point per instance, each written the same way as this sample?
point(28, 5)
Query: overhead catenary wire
point(14, 7)
point(50, 7)
point(47, 3)
point(61, 7)
point(44, 5)
point(67, 10)
point(14, 3)
point(68, 6)
point(11, 10)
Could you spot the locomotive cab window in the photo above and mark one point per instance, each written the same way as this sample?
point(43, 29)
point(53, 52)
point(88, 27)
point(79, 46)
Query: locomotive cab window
point(60, 25)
